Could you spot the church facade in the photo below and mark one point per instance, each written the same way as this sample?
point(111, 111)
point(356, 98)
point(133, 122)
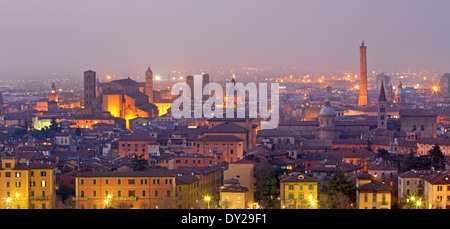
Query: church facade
point(121, 98)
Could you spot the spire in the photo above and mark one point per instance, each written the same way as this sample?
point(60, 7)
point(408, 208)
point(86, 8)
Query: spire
point(382, 93)
point(149, 70)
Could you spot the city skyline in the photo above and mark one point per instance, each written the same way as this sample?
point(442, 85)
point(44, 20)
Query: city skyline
point(66, 38)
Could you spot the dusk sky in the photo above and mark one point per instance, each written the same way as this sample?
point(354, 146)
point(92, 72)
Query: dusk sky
point(124, 37)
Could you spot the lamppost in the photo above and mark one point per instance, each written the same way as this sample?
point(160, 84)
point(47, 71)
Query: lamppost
point(414, 202)
point(207, 199)
point(8, 202)
point(312, 202)
point(108, 200)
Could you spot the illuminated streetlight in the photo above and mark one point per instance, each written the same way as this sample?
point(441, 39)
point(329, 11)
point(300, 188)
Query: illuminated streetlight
point(207, 199)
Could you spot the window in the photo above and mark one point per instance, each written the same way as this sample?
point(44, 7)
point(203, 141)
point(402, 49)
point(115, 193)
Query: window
point(168, 181)
point(291, 196)
point(43, 173)
point(291, 187)
point(130, 181)
point(156, 192)
point(18, 174)
point(7, 174)
point(94, 181)
point(131, 193)
point(106, 181)
point(143, 181)
point(155, 181)
point(43, 183)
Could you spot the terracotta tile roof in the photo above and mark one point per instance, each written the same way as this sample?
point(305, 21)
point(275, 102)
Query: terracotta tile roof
point(434, 141)
point(149, 173)
point(439, 178)
point(233, 188)
point(221, 138)
point(416, 112)
point(300, 177)
point(374, 186)
point(415, 174)
point(137, 136)
point(186, 179)
point(335, 166)
point(227, 127)
point(348, 152)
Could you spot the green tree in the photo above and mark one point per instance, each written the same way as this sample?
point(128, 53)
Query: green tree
point(267, 190)
point(139, 162)
point(436, 157)
point(411, 161)
point(65, 192)
point(339, 183)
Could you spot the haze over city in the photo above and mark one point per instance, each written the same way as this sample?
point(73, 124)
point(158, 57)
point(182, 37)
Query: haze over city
point(61, 39)
point(249, 104)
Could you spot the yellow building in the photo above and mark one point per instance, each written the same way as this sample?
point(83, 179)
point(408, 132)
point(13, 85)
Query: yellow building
point(437, 191)
point(233, 196)
point(26, 186)
point(188, 191)
point(372, 194)
point(247, 171)
point(299, 191)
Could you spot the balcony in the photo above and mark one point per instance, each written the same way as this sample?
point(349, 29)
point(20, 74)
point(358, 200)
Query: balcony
point(125, 198)
point(40, 198)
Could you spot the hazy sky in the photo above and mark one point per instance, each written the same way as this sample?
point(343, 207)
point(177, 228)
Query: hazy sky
point(112, 36)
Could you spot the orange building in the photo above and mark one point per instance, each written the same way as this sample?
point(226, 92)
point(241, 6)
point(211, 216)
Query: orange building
point(353, 156)
point(137, 143)
point(191, 160)
point(227, 148)
point(154, 189)
point(87, 121)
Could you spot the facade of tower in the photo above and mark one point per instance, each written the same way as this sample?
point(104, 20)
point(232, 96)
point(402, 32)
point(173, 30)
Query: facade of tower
point(190, 83)
point(382, 105)
point(149, 84)
point(362, 102)
point(53, 96)
point(205, 81)
point(89, 88)
point(1, 103)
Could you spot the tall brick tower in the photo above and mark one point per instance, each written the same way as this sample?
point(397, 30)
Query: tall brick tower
point(362, 102)
point(382, 105)
point(149, 84)
point(89, 88)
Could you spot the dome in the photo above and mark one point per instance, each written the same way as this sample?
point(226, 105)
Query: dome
point(327, 110)
point(400, 90)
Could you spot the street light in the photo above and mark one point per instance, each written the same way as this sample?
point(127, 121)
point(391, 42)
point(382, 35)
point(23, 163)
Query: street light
point(107, 201)
point(207, 199)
